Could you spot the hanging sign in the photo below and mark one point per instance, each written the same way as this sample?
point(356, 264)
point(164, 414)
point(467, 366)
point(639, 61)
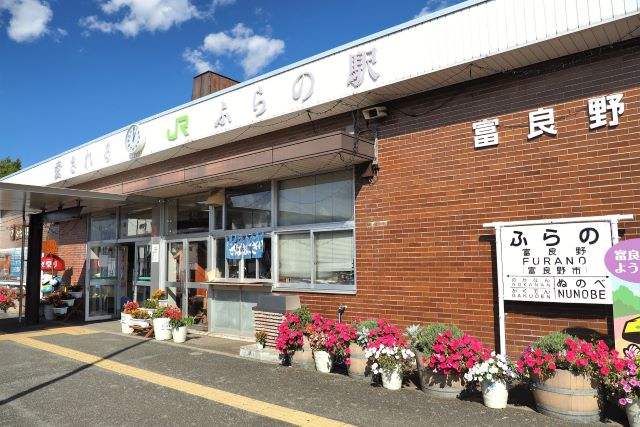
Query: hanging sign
point(243, 247)
point(51, 263)
point(15, 266)
point(556, 262)
point(623, 262)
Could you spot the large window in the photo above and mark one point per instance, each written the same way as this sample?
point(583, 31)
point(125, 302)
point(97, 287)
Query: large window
point(316, 199)
point(103, 227)
point(248, 206)
point(188, 214)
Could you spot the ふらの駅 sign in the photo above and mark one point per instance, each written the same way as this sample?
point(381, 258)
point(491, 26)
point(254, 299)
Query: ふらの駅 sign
point(556, 262)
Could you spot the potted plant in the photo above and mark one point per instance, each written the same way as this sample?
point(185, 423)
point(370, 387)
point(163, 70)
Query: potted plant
point(565, 375)
point(390, 360)
point(161, 328)
point(125, 316)
point(75, 290)
point(160, 297)
point(622, 381)
point(8, 298)
point(179, 324)
point(66, 298)
point(59, 307)
point(322, 358)
point(261, 339)
point(139, 318)
point(48, 306)
point(292, 342)
point(495, 375)
point(437, 384)
point(359, 366)
point(149, 305)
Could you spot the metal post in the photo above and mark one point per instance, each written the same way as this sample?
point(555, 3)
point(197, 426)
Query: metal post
point(24, 227)
point(501, 315)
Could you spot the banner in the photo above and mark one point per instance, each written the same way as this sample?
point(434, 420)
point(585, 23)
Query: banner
point(244, 247)
point(623, 262)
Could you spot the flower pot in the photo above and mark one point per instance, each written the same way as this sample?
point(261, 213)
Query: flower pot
point(323, 360)
point(495, 394)
point(179, 334)
point(48, 312)
point(60, 310)
point(163, 303)
point(303, 359)
point(392, 378)
point(76, 295)
point(440, 385)
point(360, 367)
point(259, 345)
point(125, 319)
point(633, 414)
point(161, 328)
point(69, 302)
point(141, 323)
point(568, 396)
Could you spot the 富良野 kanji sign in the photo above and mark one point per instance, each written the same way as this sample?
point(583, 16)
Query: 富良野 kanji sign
point(556, 262)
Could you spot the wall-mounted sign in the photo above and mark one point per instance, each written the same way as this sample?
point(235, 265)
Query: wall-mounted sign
point(561, 262)
point(242, 247)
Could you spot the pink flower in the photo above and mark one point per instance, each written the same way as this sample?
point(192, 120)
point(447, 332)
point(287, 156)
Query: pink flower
point(622, 401)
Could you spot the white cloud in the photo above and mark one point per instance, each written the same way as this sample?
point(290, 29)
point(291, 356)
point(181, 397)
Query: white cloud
point(253, 52)
point(195, 58)
point(434, 5)
point(29, 19)
point(143, 15)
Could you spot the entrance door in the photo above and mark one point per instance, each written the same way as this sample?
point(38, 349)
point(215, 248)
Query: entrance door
point(103, 282)
point(176, 272)
point(142, 272)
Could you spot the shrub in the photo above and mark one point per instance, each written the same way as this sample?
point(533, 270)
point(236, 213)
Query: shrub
point(363, 327)
point(261, 337)
point(304, 315)
point(150, 303)
point(553, 343)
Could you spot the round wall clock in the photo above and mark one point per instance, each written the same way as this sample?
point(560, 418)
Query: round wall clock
point(134, 140)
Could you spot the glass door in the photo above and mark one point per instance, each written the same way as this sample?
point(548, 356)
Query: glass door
point(142, 272)
point(176, 272)
point(103, 282)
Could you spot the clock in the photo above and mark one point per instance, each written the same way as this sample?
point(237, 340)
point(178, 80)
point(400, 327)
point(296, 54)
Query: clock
point(134, 140)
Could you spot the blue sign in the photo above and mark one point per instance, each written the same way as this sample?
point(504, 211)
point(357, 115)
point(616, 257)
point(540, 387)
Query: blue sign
point(242, 247)
point(15, 263)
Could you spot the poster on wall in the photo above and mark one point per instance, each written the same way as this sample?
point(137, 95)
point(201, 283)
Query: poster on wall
point(623, 262)
point(556, 262)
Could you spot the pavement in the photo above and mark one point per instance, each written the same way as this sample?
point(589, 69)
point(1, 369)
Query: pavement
point(91, 374)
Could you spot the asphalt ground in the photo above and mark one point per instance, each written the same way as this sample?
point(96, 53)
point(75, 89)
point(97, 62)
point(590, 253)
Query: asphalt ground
point(41, 388)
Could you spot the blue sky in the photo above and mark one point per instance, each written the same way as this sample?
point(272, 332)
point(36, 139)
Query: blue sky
point(74, 70)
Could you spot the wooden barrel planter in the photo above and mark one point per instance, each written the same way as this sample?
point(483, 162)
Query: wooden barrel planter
point(303, 359)
point(568, 396)
point(438, 385)
point(359, 368)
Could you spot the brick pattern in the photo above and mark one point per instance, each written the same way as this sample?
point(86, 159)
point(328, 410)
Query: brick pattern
point(422, 253)
point(72, 248)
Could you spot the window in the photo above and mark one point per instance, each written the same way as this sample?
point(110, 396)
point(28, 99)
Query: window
point(175, 262)
point(102, 262)
point(188, 215)
point(103, 227)
point(294, 252)
point(198, 261)
point(316, 199)
point(135, 222)
point(248, 206)
point(334, 257)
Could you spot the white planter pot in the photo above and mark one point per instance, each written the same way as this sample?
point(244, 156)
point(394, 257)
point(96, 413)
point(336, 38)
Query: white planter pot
point(260, 346)
point(323, 360)
point(161, 328)
point(69, 302)
point(495, 394)
point(633, 414)
point(392, 379)
point(142, 323)
point(125, 318)
point(60, 310)
point(179, 334)
point(48, 312)
point(163, 303)
point(76, 295)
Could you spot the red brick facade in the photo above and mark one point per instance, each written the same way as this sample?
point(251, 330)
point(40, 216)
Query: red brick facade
point(72, 248)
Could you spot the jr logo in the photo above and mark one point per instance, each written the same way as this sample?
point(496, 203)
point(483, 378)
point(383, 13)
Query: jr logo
point(182, 123)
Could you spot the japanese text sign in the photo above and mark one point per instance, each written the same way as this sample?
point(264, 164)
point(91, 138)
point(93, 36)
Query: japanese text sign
point(556, 262)
point(239, 247)
point(623, 260)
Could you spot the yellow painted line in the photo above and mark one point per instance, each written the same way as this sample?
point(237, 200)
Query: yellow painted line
point(71, 330)
point(233, 400)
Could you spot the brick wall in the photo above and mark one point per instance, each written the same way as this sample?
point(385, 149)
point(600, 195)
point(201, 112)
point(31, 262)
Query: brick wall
point(422, 253)
point(72, 248)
